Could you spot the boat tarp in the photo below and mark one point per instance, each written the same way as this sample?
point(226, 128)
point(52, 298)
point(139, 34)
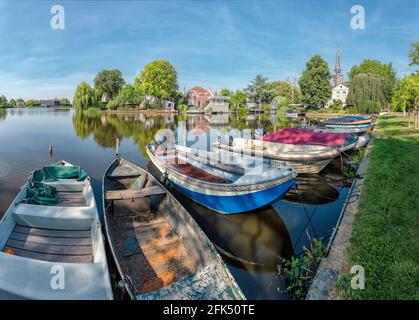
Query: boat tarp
point(301, 136)
point(41, 194)
point(53, 173)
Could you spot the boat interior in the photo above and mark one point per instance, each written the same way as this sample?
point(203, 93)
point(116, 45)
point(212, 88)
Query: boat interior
point(154, 238)
point(34, 238)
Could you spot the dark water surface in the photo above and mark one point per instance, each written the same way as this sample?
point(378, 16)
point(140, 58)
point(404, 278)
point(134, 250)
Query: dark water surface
point(252, 244)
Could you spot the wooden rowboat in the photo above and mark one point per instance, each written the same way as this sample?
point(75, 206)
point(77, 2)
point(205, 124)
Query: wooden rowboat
point(51, 239)
point(288, 147)
point(159, 250)
point(228, 185)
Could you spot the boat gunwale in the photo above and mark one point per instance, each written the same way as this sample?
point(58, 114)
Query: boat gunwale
point(248, 187)
point(214, 253)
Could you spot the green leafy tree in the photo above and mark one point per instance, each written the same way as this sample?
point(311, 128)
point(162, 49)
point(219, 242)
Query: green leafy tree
point(226, 92)
point(237, 100)
point(366, 93)
point(282, 104)
point(130, 95)
point(108, 83)
point(315, 82)
point(285, 89)
point(3, 101)
point(12, 102)
point(414, 54)
point(406, 93)
point(30, 102)
point(374, 67)
point(84, 97)
point(337, 105)
point(259, 90)
point(64, 102)
point(158, 80)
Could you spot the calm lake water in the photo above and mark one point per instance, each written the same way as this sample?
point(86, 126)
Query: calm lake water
point(252, 244)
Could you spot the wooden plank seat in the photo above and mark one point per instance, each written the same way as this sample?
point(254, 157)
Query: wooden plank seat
point(132, 194)
point(51, 245)
point(71, 199)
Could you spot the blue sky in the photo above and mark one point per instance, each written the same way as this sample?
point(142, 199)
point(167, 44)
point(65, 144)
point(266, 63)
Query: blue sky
point(214, 44)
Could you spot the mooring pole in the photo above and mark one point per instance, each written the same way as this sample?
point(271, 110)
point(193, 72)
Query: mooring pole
point(50, 151)
point(117, 148)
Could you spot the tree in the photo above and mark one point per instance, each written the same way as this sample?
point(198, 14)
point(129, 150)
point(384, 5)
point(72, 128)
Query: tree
point(286, 90)
point(366, 93)
point(84, 97)
point(237, 100)
point(108, 83)
point(158, 80)
point(414, 53)
point(3, 101)
point(337, 105)
point(406, 93)
point(130, 95)
point(226, 92)
point(314, 82)
point(259, 90)
point(64, 102)
point(13, 102)
point(374, 67)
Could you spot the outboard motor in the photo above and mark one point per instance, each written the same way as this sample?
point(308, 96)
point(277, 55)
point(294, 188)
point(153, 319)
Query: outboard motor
point(230, 141)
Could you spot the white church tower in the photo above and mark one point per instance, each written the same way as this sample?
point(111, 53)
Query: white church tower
point(339, 90)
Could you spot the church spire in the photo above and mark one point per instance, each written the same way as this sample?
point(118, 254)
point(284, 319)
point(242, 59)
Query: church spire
point(338, 69)
point(338, 76)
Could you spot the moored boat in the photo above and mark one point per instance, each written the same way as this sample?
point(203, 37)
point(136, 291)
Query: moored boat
point(159, 250)
point(349, 120)
point(51, 239)
point(303, 150)
point(224, 186)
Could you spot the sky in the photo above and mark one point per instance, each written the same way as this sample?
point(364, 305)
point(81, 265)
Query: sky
point(214, 44)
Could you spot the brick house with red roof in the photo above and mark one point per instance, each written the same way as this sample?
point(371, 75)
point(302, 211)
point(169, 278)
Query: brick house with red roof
point(198, 97)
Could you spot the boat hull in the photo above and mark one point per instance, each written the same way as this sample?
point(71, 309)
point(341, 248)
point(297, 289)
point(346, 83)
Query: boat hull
point(232, 204)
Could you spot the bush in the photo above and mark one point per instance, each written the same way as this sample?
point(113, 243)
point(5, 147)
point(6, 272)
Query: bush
point(337, 105)
point(115, 104)
point(182, 107)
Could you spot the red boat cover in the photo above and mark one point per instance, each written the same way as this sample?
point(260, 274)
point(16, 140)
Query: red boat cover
point(301, 136)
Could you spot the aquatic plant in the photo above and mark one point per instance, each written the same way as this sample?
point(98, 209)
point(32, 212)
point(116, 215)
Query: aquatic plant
point(301, 270)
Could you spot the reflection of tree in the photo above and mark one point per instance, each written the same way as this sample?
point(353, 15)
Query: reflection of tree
point(106, 128)
point(2, 114)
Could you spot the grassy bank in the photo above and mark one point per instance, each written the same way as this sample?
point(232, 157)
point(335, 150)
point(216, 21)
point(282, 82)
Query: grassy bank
point(385, 232)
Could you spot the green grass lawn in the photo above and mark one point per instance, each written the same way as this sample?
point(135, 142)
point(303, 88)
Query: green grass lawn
point(385, 232)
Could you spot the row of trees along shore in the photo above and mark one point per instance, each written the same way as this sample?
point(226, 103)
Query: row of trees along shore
point(14, 103)
point(373, 86)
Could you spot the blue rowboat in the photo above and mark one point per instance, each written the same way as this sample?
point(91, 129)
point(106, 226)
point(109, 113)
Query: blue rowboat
point(230, 185)
point(349, 120)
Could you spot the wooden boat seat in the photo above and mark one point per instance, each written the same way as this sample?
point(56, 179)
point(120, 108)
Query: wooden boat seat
point(54, 217)
point(132, 194)
point(34, 276)
point(69, 246)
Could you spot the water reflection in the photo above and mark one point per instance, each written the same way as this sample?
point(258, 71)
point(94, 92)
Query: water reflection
point(3, 114)
point(312, 189)
point(251, 244)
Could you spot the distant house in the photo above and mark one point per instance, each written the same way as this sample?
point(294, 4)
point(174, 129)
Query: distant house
point(50, 103)
point(198, 97)
point(217, 104)
point(153, 101)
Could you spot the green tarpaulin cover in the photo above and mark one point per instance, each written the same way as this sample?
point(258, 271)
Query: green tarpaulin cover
point(53, 173)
